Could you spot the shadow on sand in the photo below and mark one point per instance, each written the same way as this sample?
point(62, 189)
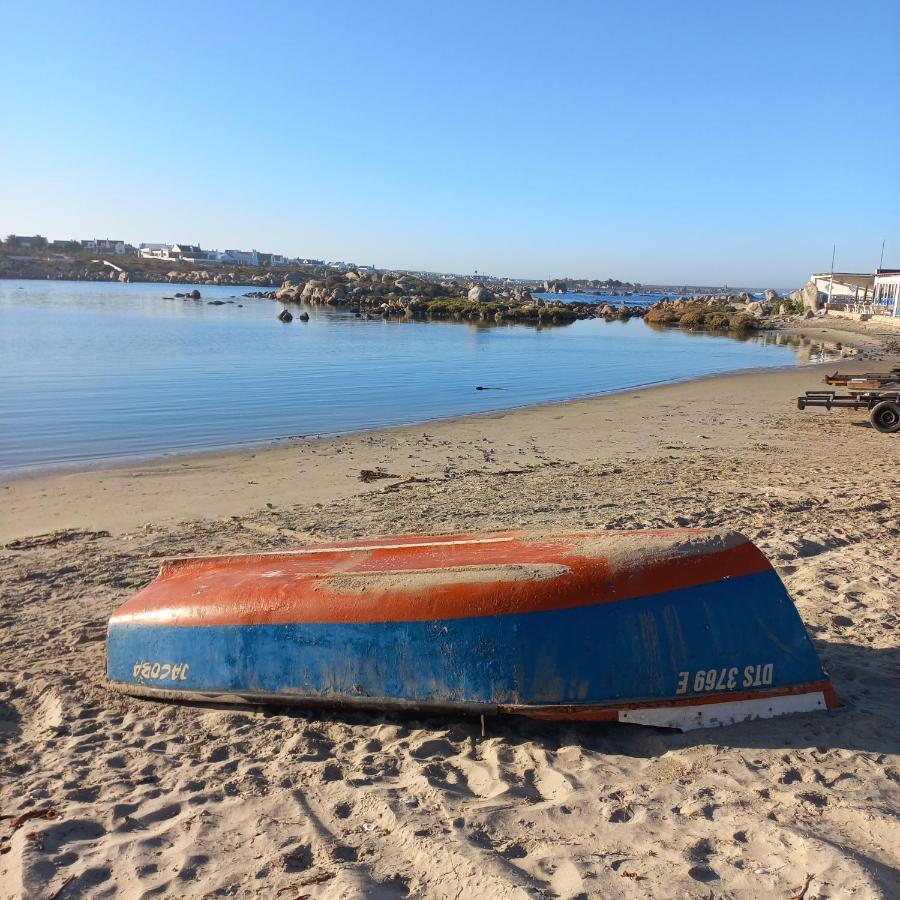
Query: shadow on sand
point(866, 679)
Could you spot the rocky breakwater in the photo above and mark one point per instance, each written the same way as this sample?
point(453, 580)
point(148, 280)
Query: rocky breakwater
point(719, 312)
point(393, 294)
point(242, 277)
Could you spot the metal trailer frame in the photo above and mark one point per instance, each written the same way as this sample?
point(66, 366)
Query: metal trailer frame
point(883, 405)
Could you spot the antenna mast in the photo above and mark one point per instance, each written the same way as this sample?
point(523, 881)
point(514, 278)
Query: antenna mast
point(831, 280)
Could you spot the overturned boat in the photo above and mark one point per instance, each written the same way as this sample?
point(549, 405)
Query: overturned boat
point(680, 629)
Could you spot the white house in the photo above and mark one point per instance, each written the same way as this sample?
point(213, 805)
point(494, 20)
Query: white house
point(240, 257)
point(154, 251)
point(184, 251)
point(856, 286)
point(887, 290)
point(105, 244)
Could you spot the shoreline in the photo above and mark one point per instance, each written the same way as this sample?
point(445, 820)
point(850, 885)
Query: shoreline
point(231, 481)
point(293, 441)
point(862, 342)
point(850, 343)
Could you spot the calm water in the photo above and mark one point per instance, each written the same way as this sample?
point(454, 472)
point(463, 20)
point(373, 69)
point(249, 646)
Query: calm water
point(92, 372)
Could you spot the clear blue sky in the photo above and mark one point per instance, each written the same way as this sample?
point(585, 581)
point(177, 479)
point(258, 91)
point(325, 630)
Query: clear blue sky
point(695, 142)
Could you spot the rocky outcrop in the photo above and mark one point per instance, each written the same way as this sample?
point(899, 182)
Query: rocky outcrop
point(808, 295)
point(478, 293)
point(756, 308)
point(713, 312)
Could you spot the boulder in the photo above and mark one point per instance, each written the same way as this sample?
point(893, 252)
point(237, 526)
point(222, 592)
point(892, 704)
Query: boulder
point(756, 309)
point(808, 295)
point(478, 293)
point(771, 296)
point(194, 294)
point(311, 290)
point(285, 316)
point(303, 317)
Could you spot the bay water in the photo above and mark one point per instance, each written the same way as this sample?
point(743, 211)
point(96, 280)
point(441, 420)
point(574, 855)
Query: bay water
point(94, 372)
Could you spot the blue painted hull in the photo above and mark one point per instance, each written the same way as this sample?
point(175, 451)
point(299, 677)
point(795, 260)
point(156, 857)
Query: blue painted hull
point(730, 637)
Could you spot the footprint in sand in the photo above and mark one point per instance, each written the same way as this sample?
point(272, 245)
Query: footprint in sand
point(437, 747)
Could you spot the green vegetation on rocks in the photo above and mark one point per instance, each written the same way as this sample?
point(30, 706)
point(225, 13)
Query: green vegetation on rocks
point(711, 313)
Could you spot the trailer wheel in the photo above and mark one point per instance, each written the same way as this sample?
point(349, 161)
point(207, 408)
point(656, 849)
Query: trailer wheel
point(886, 416)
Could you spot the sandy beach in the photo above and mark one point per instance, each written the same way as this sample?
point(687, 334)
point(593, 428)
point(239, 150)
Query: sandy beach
point(102, 795)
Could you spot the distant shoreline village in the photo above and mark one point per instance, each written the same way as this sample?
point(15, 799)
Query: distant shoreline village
point(368, 291)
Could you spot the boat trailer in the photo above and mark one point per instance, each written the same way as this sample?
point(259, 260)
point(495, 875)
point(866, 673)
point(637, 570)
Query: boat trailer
point(883, 405)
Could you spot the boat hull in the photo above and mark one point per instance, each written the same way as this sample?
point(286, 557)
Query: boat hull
point(546, 630)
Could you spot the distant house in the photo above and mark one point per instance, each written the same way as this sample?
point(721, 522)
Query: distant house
point(856, 286)
point(887, 290)
point(860, 292)
point(184, 251)
point(240, 257)
point(154, 251)
point(106, 245)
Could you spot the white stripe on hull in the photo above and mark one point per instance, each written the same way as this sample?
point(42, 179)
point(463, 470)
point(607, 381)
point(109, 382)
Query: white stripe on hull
point(713, 715)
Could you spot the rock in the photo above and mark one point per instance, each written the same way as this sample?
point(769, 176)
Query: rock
point(478, 293)
point(303, 317)
point(756, 309)
point(607, 311)
point(809, 314)
point(771, 296)
point(285, 316)
point(808, 295)
point(194, 294)
point(311, 290)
